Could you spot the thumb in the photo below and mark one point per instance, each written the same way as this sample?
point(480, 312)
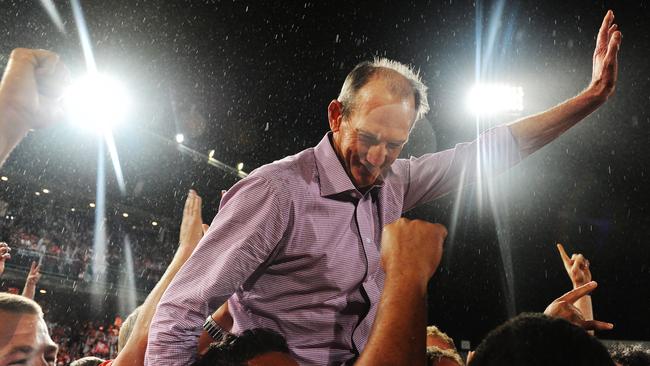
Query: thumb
point(205, 228)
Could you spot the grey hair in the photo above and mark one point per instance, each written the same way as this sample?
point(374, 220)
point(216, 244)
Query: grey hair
point(365, 71)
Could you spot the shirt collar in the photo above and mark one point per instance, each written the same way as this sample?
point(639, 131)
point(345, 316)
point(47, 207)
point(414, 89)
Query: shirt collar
point(333, 177)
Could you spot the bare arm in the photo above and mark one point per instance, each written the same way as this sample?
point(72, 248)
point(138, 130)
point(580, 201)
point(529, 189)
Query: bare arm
point(410, 254)
point(535, 131)
point(577, 268)
point(191, 232)
point(30, 95)
point(34, 275)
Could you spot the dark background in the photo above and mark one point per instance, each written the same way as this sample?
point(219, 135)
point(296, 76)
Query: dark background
point(252, 80)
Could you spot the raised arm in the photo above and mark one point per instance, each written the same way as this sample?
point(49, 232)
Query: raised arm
point(577, 267)
point(29, 291)
point(535, 131)
point(30, 95)
point(410, 254)
point(4, 255)
point(190, 235)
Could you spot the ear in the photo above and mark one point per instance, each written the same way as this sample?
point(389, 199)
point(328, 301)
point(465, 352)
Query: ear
point(335, 115)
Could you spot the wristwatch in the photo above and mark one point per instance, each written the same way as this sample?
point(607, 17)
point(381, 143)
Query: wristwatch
point(214, 330)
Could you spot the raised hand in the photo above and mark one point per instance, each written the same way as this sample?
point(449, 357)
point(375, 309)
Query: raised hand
point(563, 307)
point(4, 255)
point(34, 274)
point(577, 267)
point(32, 279)
point(412, 248)
point(192, 227)
point(605, 62)
point(32, 88)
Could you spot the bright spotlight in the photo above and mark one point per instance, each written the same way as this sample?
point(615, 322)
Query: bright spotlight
point(211, 154)
point(91, 204)
point(180, 138)
point(4, 179)
point(489, 99)
point(45, 190)
point(37, 193)
point(43, 291)
point(240, 166)
point(96, 102)
point(125, 214)
point(72, 209)
point(154, 223)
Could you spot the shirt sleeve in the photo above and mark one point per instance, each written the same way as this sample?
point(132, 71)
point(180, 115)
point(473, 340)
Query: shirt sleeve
point(244, 233)
point(434, 175)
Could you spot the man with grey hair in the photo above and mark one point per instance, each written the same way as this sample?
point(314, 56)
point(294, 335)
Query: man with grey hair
point(24, 339)
point(295, 245)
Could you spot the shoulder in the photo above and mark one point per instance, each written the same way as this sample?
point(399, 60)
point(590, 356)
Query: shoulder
point(290, 171)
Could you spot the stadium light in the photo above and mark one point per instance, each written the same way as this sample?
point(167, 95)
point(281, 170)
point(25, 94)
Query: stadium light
point(43, 291)
point(180, 138)
point(125, 214)
point(37, 193)
point(96, 102)
point(4, 179)
point(154, 223)
point(211, 154)
point(91, 204)
point(490, 99)
point(72, 209)
point(45, 190)
point(240, 167)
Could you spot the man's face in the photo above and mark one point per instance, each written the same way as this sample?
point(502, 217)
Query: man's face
point(25, 341)
point(370, 139)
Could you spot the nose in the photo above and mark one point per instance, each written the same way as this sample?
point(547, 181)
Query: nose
point(376, 155)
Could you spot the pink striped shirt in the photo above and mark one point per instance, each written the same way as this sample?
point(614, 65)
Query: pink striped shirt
point(295, 248)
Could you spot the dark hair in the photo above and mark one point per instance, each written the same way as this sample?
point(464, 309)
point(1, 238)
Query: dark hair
point(537, 340)
point(630, 355)
point(87, 361)
point(236, 350)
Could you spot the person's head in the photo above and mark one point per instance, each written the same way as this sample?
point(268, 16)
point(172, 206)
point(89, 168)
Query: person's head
point(630, 355)
point(24, 339)
point(253, 347)
point(438, 338)
point(443, 357)
point(87, 361)
point(126, 329)
point(373, 115)
point(535, 339)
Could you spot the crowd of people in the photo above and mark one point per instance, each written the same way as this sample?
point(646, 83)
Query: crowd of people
point(63, 247)
point(308, 260)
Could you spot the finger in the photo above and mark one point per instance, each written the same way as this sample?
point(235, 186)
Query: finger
point(596, 325)
point(188, 202)
point(602, 32)
point(197, 203)
point(5, 256)
point(565, 257)
point(192, 198)
point(578, 292)
point(33, 266)
point(613, 46)
point(610, 31)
